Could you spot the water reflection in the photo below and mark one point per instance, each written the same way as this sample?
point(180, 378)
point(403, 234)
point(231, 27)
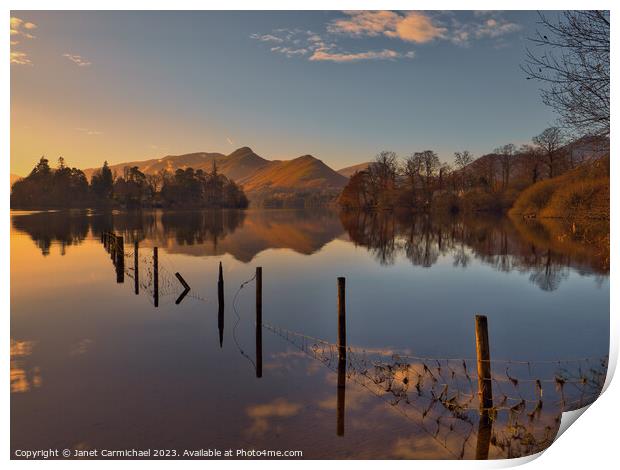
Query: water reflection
point(504, 244)
point(544, 249)
point(112, 360)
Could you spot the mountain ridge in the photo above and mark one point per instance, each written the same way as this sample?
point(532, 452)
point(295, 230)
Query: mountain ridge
point(245, 167)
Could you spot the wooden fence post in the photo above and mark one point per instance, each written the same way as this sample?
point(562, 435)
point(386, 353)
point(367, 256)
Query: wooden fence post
point(259, 321)
point(483, 354)
point(136, 272)
point(342, 316)
point(155, 277)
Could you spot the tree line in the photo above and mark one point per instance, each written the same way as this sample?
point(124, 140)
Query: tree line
point(69, 187)
point(492, 182)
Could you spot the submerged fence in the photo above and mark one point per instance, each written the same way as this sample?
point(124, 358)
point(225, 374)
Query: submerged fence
point(472, 407)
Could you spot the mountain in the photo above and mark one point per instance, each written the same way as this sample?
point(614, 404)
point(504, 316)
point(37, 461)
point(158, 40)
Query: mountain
point(239, 164)
point(351, 170)
point(304, 172)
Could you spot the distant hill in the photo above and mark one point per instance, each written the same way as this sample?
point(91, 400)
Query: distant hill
point(237, 165)
point(305, 174)
point(351, 170)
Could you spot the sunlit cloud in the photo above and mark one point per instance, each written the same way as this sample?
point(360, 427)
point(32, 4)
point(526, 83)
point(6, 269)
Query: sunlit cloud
point(22, 28)
point(78, 60)
point(20, 58)
point(412, 27)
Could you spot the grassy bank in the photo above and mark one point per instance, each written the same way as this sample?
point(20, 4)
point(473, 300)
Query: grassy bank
point(579, 194)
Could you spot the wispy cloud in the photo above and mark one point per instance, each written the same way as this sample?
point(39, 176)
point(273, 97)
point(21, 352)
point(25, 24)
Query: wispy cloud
point(486, 24)
point(20, 58)
point(407, 27)
point(266, 38)
point(385, 54)
point(305, 43)
point(88, 131)
point(78, 60)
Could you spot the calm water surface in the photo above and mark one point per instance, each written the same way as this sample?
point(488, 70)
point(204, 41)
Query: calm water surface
point(95, 366)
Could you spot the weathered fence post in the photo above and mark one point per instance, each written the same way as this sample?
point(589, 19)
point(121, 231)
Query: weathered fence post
point(136, 272)
point(485, 389)
point(119, 260)
point(259, 321)
point(220, 304)
point(483, 354)
point(155, 278)
point(342, 316)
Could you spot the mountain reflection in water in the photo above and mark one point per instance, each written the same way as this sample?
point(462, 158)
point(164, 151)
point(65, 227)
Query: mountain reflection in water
point(543, 249)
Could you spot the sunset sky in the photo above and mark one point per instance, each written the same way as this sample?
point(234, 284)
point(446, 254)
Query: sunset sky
point(341, 86)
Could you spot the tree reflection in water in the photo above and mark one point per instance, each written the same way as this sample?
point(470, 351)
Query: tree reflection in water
point(544, 250)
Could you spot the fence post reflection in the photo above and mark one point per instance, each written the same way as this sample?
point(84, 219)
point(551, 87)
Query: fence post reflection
point(342, 356)
point(136, 274)
point(220, 304)
point(155, 277)
point(259, 322)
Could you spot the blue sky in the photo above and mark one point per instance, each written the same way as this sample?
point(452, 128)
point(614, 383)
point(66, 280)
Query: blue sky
point(341, 86)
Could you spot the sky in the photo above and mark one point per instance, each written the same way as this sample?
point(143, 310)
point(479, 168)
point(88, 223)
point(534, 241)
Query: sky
point(342, 86)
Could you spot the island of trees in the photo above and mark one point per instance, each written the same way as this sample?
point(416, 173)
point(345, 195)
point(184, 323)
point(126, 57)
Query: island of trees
point(63, 186)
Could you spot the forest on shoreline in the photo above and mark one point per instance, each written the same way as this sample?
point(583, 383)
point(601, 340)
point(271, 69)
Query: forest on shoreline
point(551, 177)
point(66, 187)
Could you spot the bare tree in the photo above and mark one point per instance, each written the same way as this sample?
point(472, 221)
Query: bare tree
point(412, 171)
point(549, 143)
point(506, 155)
point(572, 61)
point(430, 166)
point(462, 160)
point(530, 162)
point(382, 177)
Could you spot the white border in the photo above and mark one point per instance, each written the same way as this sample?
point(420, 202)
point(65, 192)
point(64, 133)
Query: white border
point(589, 444)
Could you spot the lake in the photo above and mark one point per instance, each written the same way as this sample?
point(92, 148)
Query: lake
point(96, 365)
